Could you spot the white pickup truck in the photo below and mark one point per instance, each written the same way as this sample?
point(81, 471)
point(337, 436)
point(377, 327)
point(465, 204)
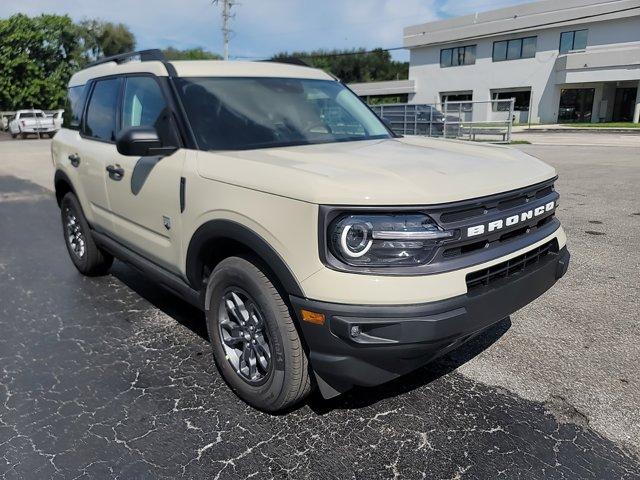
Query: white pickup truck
point(32, 122)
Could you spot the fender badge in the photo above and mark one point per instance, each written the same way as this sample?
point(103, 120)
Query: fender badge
point(166, 222)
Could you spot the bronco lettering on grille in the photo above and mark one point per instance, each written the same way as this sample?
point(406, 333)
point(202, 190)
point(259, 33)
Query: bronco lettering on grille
point(510, 221)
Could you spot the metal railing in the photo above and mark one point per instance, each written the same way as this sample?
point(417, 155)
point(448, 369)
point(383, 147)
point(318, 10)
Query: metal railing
point(469, 120)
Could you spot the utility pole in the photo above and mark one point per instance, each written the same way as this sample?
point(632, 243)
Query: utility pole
point(226, 16)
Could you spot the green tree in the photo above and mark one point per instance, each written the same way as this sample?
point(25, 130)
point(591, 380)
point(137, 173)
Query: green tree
point(37, 57)
point(355, 65)
point(190, 54)
point(104, 39)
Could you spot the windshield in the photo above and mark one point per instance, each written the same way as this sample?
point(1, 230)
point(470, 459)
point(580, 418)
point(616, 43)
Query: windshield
point(246, 113)
point(32, 115)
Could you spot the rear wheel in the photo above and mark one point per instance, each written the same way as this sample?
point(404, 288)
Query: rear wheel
point(255, 343)
point(88, 258)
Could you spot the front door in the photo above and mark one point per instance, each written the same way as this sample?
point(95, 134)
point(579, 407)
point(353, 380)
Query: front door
point(576, 105)
point(624, 104)
point(144, 192)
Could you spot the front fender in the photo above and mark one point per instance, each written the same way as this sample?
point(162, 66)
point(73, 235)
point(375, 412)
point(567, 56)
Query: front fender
point(220, 229)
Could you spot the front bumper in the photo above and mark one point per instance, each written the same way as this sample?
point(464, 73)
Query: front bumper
point(393, 340)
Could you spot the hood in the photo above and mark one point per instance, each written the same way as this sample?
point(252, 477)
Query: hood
point(398, 171)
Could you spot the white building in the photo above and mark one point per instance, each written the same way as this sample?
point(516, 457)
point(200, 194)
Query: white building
point(563, 61)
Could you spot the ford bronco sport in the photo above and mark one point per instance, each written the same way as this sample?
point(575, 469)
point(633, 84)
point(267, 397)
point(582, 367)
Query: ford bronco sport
point(325, 250)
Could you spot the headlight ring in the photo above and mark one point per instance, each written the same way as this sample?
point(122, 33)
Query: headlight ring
point(355, 239)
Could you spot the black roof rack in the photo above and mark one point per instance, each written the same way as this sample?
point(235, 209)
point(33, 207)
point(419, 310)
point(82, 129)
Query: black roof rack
point(143, 55)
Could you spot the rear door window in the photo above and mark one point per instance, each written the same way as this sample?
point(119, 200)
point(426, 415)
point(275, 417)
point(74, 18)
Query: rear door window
point(100, 122)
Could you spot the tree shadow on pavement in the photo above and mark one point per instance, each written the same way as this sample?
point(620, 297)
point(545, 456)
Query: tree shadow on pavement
point(181, 311)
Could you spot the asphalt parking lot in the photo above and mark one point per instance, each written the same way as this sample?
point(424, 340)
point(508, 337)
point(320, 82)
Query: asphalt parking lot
point(112, 377)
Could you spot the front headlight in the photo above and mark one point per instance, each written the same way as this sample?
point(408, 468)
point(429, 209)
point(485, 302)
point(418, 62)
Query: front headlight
point(377, 240)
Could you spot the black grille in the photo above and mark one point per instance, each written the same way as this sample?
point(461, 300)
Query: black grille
point(506, 269)
point(495, 207)
point(479, 208)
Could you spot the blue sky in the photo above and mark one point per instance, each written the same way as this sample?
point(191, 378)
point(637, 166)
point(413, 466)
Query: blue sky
point(263, 27)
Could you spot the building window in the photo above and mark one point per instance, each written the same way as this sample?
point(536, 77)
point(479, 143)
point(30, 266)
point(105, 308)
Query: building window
point(456, 97)
point(576, 105)
point(521, 104)
point(514, 49)
point(453, 57)
point(450, 101)
point(575, 40)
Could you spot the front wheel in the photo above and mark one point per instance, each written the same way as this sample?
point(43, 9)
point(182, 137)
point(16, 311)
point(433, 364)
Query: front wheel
point(88, 258)
point(255, 343)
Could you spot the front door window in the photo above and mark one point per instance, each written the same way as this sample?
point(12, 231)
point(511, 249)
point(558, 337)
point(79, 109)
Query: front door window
point(576, 105)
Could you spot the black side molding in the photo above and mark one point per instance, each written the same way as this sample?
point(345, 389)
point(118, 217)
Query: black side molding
point(165, 278)
point(183, 185)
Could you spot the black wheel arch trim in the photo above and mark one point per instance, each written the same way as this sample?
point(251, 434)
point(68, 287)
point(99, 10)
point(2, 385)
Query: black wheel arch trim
point(60, 176)
point(222, 229)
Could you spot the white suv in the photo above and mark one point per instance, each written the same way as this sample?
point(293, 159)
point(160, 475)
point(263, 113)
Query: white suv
point(325, 250)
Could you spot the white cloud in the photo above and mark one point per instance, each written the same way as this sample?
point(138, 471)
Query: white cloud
point(466, 7)
point(261, 27)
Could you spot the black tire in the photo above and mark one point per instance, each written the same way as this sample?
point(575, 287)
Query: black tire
point(88, 258)
point(14, 135)
point(23, 136)
point(287, 380)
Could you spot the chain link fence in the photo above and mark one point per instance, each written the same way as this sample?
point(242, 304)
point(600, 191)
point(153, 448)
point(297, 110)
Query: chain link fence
point(490, 120)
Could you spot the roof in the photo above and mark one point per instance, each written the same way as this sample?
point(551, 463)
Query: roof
point(221, 68)
point(521, 18)
point(201, 68)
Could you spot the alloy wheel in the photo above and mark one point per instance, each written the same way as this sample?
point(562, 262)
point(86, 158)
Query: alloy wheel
point(74, 234)
point(244, 337)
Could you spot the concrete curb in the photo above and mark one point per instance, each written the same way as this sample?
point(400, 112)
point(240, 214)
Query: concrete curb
point(619, 131)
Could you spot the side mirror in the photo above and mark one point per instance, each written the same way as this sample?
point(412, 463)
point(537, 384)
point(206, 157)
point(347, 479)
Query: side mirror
point(387, 123)
point(141, 142)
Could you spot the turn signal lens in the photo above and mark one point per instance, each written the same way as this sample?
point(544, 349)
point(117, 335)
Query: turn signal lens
point(312, 317)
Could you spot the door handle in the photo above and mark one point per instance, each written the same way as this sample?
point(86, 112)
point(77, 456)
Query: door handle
point(74, 159)
point(116, 172)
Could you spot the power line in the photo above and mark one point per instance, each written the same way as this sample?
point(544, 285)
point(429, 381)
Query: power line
point(327, 28)
point(502, 32)
point(336, 54)
point(345, 54)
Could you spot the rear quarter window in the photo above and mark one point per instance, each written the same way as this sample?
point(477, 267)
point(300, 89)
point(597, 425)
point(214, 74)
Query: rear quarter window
point(73, 107)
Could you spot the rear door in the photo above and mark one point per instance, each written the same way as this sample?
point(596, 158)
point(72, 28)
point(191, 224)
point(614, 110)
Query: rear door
point(98, 148)
point(145, 198)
